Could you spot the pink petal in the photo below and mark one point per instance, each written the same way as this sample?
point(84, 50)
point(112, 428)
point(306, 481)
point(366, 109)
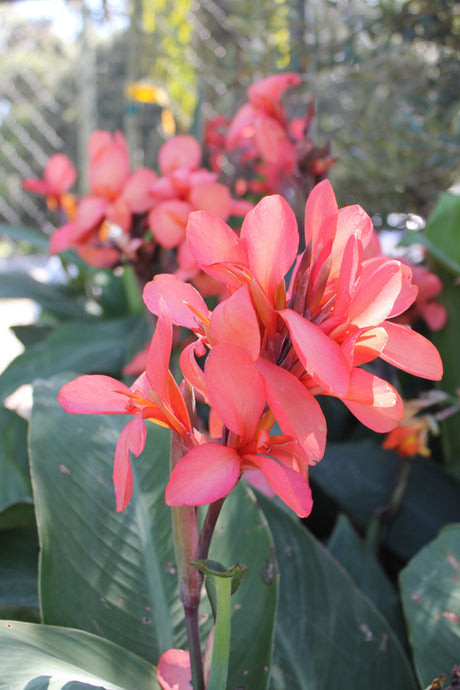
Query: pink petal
point(181, 151)
point(59, 174)
point(132, 439)
point(241, 125)
point(212, 197)
point(271, 88)
point(374, 401)
point(410, 351)
point(293, 489)
point(364, 345)
point(272, 237)
point(62, 238)
point(160, 352)
point(192, 372)
point(174, 671)
point(408, 292)
point(379, 286)
point(321, 213)
point(205, 474)
point(319, 354)
point(236, 390)
point(212, 241)
point(137, 190)
point(352, 221)
point(94, 394)
point(177, 295)
point(296, 410)
point(234, 321)
point(273, 144)
point(168, 220)
point(90, 212)
point(109, 165)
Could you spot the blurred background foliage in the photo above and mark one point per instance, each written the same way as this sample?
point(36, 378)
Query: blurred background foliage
point(384, 75)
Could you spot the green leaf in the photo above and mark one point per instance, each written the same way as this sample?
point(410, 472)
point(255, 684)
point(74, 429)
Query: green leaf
point(446, 340)
point(328, 634)
point(107, 573)
point(33, 236)
point(18, 574)
point(34, 656)
point(430, 586)
point(445, 260)
point(367, 574)
point(115, 574)
point(442, 227)
point(359, 477)
point(59, 300)
point(79, 346)
point(14, 473)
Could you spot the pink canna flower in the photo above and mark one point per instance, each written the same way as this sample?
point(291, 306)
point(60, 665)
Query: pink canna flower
point(209, 471)
point(99, 232)
point(334, 317)
point(154, 396)
point(185, 187)
point(174, 670)
point(59, 175)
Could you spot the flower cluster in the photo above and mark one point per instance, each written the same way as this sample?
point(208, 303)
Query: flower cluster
point(276, 153)
point(269, 348)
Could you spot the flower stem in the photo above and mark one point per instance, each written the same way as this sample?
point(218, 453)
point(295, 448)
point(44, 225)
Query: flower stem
point(194, 646)
point(207, 530)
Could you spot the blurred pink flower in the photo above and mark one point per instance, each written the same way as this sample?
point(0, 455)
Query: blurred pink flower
point(59, 175)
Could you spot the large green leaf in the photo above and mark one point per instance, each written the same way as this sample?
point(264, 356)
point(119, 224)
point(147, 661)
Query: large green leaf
point(19, 571)
point(367, 574)
point(114, 574)
point(328, 634)
point(79, 346)
point(430, 586)
point(33, 236)
point(14, 473)
point(107, 573)
point(39, 657)
point(59, 300)
point(359, 477)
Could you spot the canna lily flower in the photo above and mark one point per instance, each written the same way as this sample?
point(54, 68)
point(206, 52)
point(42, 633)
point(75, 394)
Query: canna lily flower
point(154, 396)
point(185, 187)
point(174, 670)
point(59, 175)
point(334, 317)
point(209, 471)
point(99, 232)
point(410, 437)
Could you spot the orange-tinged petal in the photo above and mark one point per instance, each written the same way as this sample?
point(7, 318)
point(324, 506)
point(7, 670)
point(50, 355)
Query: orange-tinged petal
point(131, 439)
point(287, 484)
point(374, 401)
point(182, 151)
point(205, 474)
point(410, 351)
point(296, 410)
point(320, 355)
point(364, 345)
point(94, 394)
point(236, 390)
point(177, 295)
point(272, 237)
point(234, 321)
